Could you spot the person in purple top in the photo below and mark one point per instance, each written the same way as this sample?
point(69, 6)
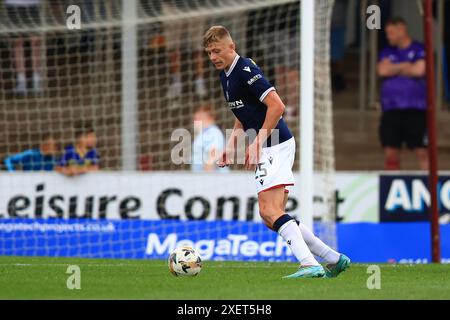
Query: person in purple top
point(403, 96)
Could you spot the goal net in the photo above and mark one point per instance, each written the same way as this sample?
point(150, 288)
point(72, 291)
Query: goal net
point(137, 75)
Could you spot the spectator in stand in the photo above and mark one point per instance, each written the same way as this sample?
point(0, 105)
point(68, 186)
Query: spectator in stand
point(25, 14)
point(403, 96)
point(272, 41)
point(209, 140)
point(82, 157)
point(283, 45)
point(337, 44)
point(183, 35)
point(42, 158)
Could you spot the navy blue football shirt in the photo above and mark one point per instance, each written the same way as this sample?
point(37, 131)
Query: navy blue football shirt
point(245, 87)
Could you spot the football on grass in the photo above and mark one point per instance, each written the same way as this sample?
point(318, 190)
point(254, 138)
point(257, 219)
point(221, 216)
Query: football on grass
point(185, 261)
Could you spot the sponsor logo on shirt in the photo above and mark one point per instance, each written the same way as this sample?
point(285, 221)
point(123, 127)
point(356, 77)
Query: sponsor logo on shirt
point(247, 69)
point(258, 76)
point(235, 104)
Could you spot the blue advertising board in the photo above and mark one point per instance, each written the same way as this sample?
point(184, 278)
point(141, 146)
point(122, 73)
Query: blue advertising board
point(216, 240)
point(407, 198)
point(394, 242)
point(140, 239)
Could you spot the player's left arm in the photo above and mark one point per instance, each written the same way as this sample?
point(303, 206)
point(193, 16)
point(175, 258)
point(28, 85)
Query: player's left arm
point(16, 159)
point(253, 78)
point(94, 160)
point(415, 69)
point(275, 109)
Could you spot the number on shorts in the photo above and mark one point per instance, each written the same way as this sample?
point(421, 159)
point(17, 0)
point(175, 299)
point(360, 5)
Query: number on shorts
point(263, 171)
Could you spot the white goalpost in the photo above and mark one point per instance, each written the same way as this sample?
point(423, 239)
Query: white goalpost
point(129, 85)
point(307, 112)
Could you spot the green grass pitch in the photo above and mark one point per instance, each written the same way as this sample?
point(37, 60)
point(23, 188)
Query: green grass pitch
point(46, 278)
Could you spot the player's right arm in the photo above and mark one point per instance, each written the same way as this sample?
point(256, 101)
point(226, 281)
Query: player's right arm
point(230, 149)
point(9, 162)
point(414, 69)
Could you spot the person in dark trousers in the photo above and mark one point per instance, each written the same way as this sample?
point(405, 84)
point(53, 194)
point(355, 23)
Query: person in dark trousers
point(403, 96)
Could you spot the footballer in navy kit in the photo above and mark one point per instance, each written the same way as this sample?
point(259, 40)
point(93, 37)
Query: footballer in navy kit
point(258, 112)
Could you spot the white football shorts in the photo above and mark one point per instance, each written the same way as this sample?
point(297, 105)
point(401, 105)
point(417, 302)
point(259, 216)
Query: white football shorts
point(275, 167)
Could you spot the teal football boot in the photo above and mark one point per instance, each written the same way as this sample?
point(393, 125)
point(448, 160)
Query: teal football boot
point(333, 270)
point(308, 272)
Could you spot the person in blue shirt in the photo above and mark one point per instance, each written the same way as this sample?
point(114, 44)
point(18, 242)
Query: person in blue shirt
point(42, 158)
point(209, 141)
point(258, 111)
point(82, 157)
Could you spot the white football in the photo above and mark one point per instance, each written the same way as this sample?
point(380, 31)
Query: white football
point(185, 261)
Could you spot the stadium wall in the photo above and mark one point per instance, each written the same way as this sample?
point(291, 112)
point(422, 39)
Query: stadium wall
point(380, 217)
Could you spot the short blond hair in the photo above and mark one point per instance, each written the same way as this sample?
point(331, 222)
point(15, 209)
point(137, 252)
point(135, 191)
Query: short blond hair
point(215, 34)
